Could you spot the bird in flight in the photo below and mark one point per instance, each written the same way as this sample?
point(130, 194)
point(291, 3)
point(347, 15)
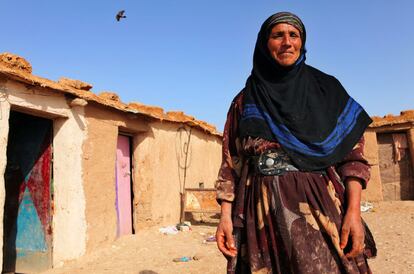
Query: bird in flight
point(120, 15)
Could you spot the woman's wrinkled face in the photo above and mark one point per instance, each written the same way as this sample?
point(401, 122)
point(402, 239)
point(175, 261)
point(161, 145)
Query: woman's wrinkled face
point(284, 44)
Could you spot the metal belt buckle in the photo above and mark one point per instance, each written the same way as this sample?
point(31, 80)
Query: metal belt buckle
point(270, 162)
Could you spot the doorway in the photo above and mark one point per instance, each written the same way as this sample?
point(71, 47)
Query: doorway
point(123, 184)
point(27, 238)
point(395, 166)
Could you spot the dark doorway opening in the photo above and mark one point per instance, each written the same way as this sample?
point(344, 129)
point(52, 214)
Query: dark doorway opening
point(27, 238)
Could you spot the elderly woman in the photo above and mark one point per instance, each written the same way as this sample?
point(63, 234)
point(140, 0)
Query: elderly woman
point(293, 165)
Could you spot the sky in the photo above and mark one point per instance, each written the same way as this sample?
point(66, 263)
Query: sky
point(195, 56)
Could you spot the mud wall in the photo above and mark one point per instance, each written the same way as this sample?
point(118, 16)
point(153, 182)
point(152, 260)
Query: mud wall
point(69, 219)
point(166, 158)
point(158, 167)
point(99, 181)
point(163, 168)
point(99, 157)
point(373, 192)
point(4, 132)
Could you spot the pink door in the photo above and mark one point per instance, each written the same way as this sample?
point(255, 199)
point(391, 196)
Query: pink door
point(123, 186)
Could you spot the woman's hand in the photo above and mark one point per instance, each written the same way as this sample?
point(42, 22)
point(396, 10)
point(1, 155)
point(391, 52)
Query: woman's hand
point(352, 228)
point(224, 233)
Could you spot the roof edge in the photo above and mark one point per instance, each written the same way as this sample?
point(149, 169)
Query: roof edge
point(17, 68)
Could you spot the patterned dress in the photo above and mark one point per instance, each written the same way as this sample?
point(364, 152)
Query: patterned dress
point(289, 223)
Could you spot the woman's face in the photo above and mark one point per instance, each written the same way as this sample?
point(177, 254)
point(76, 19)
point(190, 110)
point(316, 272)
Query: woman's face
point(284, 44)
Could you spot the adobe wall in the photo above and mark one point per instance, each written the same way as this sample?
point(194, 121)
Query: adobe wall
point(205, 159)
point(160, 167)
point(68, 224)
point(99, 165)
point(373, 192)
point(84, 146)
point(4, 132)
point(69, 221)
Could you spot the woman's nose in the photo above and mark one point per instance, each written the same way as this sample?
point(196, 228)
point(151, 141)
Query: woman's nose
point(286, 40)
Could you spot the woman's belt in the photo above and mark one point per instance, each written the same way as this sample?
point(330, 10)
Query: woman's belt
point(275, 162)
point(272, 162)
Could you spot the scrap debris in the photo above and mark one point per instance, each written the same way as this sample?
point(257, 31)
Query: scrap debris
point(187, 258)
point(168, 230)
point(366, 206)
point(174, 229)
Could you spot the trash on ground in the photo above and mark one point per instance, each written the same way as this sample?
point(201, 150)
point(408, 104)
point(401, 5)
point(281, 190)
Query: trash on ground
point(182, 259)
point(184, 226)
point(197, 257)
point(187, 258)
point(366, 206)
point(209, 239)
point(168, 230)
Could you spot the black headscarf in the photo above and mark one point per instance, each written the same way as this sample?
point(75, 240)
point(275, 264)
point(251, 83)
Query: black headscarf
point(305, 110)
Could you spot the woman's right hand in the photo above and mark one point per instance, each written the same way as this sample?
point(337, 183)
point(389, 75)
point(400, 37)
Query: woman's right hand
point(224, 233)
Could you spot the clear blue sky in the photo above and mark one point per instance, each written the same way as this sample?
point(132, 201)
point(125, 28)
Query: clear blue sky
point(196, 55)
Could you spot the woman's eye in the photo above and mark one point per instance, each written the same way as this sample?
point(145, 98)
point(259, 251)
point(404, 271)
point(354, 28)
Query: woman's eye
point(276, 35)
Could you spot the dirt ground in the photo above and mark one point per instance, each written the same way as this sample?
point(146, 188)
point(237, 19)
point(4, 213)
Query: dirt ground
point(150, 252)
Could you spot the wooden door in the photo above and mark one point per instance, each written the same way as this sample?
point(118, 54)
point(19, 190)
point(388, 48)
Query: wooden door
point(396, 171)
point(123, 186)
point(27, 240)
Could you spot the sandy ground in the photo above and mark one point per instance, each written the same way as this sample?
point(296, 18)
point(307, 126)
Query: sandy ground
point(392, 224)
point(150, 252)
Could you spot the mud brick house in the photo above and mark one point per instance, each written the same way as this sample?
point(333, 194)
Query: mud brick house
point(390, 150)
point(81, 169)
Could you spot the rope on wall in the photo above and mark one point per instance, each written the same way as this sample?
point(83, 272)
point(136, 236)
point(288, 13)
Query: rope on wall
point(183, 153)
